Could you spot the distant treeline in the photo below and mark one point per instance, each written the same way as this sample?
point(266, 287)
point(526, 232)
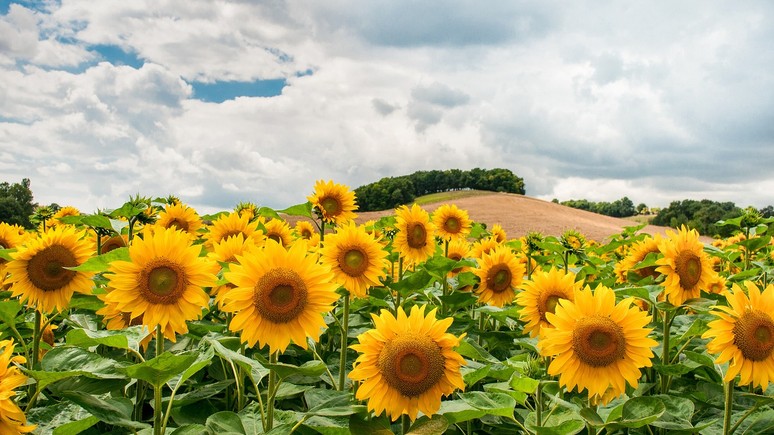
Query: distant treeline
point(623, 207)
point(391, 192)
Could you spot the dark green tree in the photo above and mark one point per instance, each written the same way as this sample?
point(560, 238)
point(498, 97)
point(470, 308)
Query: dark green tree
point(16, 204)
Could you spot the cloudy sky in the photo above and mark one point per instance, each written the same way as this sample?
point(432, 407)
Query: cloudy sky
point(220, 102)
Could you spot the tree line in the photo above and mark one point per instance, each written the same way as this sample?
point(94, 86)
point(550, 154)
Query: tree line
point(623, 207)
point(391, 192)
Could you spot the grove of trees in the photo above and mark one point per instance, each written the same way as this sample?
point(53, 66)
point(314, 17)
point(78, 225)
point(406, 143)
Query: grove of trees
point(16, 204)
point(623, 207)
point(391, 192)
point(701, 215)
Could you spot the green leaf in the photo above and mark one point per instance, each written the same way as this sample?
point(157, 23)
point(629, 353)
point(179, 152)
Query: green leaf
point(310, 368)
point(304, 209)
point(591, 417)
point(412, 282)
point(100, 263)
point(503, 387)
point(76, 427)
point(639, 411)
point(162, 368)
point(373, 426)
point(203, 359)
point(562, 422)
point(8, 312)
point(523, 383)
point(472, 376)
point(5, 254)
point(66, 361)
point(429, 426)
point(474, 351)
point(256, 370)
point(61, 414)
point(678, 414)
point(225, 421)
point(339, 405)
point(457, 411)
point(328, 425)
point(190, 429)
point(111, 411)
point(493, 403)
point(199, 393)
point(85, 338)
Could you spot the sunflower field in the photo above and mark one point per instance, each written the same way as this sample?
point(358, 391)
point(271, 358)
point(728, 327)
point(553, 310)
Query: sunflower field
point(154, 319)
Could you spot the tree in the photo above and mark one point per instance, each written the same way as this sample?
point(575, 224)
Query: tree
point(16, 204)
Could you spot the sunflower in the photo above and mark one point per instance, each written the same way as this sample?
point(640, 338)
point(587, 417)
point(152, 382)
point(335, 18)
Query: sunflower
point(717, 285)
point(407, 363)
point(483, 246)
point(744, 334)
point(356, 259)
point(597, 343)
point(227, 251)
point(62, 212)
point(498, 233)
point(334, 203)
point(500, 273)
point(279, 231)
point(12, 418)
point(304, 229)
point(541, 295)
point(280, 294)
point(9, 239)
point(415, 234)
point(37, 272)
point(164, 281)
point(451, 222)
point(459, 249)
point(232, 224)
point(685, 265)
point(116, 320)
point(114, 242)
point(635, 254)
point(181, 217)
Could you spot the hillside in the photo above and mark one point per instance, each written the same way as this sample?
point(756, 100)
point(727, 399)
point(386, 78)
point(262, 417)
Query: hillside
point(519, 214)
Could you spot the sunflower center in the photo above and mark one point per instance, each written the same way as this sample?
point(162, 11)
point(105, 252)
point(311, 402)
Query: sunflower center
point(112, 243)
point(452, 225)
point(411, 363)
point(276, 237)
point(416, 235)
point(754, 335)
point(46, 270)
point(228, 234)
point(280, 295)
point(688, 268)
point(162, 282)
point(331, 205)
point(598, 341)
point(456, 257)
point(499, 278)
point(353, 262)
point(306, 234)
point(177, 223)
point(549, 306)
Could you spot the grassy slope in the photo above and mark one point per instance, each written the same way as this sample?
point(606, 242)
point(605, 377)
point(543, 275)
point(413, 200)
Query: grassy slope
point(449, 196)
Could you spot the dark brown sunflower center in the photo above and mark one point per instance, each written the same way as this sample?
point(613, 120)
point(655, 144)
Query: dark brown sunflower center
point(332, 206)
point(549, 305)
point(499, 278)
point(228, 234)
point(754, 335)
point(276, 237)
point(455, 257)
point(411, 364)
point(112, 243)
point(416, 235)
point(179, 224)
point(46, 269)
point(162, 281)
point(598, 341)
point(353, 262)
point(688, 268)
point(452, 225)
point(280, 295)
point(306, 234)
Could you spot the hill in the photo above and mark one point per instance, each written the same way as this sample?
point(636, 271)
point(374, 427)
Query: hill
point(519, 214)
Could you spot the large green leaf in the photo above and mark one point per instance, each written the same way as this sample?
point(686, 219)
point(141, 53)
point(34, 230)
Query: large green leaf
point(304, 209)
point(225, 422)
point(678, 413)
point(67, 361)
point(330, 403)
point(112, 411)
point(372, 426)
point(310, 368)
point(100, 263)
point(457, 411)
point(640, 411)
point(255, 369)
point(162, 368)
point(469, 348)
point(429, 426)
point(128, 338)
point(190, 429)
point(63, 414)
point(493, 403)
point(8, 312)
point(5, 254)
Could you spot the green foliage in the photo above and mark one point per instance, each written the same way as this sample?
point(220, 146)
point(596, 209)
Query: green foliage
point(623, 207)
point(701, 215)
point(391, 192)
point(16, 204)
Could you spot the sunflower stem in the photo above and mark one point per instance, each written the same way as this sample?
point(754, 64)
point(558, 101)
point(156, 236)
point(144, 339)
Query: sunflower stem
point(729, 399)
point(445, 286)
point(344, 334)
point(405, 424)
point(665, 353)
point(36, 340)
point(273, 358)
point(539, 404)
point(157, 411)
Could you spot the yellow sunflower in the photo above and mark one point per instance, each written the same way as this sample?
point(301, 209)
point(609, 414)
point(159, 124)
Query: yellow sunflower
point(483, 246)
point(459, 249)
point(356, 259)
point(164, 281)
point(279, 231)
point(37, 272)
point(635, 254)
point(743, 335)
point(305, 229)
point(407, 363)
point(597, 344)
point(227, 251)
point(181, 217)
point(9, 239)
point(498, 233)
point(541, 295)
point(12, 418)
point(500, 273)
point(717, 285)
point(415, 238)
point(62, 212)
point(334, 202)
point(232, 224)
point(279, 295)
point(685, 265)
point(116, 320)
point(451, 222)
point(114, 242)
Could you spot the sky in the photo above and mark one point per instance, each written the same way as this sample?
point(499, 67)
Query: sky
point(222, 102)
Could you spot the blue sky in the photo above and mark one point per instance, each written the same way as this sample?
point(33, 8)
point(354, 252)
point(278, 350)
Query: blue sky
point(254, 101)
